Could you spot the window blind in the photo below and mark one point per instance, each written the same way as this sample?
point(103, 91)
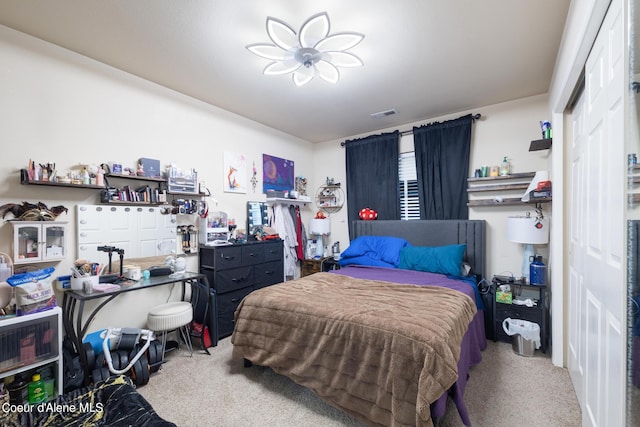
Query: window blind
point(409, 200)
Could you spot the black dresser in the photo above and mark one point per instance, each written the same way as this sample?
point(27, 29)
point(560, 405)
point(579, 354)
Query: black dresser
point(235, 270)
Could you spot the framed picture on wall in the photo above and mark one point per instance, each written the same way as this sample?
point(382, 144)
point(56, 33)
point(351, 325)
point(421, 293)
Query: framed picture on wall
point(278, 174)
point(235, 172)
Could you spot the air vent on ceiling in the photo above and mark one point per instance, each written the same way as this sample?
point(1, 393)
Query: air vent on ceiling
point(383, 113)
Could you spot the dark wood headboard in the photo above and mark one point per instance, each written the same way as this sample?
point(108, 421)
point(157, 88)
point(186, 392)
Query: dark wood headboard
point(434, 233)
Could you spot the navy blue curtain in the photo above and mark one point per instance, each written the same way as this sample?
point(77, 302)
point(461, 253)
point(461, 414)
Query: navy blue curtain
point(372, 176)
point(442, 165)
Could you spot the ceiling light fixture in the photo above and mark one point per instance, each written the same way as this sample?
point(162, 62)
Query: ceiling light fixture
point(309, 53)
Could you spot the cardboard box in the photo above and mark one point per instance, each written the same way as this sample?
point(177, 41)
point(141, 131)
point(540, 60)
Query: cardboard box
point(504, 297)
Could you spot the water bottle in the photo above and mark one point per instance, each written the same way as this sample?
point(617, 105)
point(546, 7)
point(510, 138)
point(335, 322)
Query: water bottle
point(505, 167)
point(36, 391)
point(335, 250)
point(5, 270)
point(537, 271)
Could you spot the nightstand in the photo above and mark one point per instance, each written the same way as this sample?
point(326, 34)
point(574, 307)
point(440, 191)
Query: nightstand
point(537, 314)
point(316, 265)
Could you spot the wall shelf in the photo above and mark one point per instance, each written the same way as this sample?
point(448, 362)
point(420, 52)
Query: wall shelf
point(24, 179)
point(134, 177)
point(145, 195)
point(176, 193)
point(523, 175)
point(516, 182)
point(295, 202)
point(507, 201)
point(161, 182)
point(498, 187)
point(540, 144)
point(330, 198)
point(127, 203)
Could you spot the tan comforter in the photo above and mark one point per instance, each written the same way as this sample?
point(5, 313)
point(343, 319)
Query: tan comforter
point(380, 351)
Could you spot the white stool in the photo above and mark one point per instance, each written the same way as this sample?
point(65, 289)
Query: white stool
point(170, 316)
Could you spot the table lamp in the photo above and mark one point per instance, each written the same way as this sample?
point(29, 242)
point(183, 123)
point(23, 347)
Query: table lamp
point(320, 227)
point(530, 231)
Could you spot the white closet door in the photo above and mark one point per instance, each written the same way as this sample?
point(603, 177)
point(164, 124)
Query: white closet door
point(576, 226)
point(597, 232)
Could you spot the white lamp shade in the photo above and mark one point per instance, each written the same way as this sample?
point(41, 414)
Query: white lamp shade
point(320, 226)
point(524, 229)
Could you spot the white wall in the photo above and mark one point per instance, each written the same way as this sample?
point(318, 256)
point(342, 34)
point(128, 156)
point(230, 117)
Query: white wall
point(57, 106)
point(505, 129)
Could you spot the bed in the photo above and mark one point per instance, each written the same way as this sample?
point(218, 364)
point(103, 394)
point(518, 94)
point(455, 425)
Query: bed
point(387, 345)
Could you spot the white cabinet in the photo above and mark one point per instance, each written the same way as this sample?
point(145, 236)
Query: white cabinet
point(38, 241)
point(33, 343)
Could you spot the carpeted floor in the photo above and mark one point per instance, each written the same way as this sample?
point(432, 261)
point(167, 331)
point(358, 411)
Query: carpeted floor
point(504, 390)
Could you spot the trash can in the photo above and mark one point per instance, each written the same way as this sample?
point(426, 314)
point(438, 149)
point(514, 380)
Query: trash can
point(525, 336)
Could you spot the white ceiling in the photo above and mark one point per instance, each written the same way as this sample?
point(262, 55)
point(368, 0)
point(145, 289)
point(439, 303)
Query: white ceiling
point(423, 58)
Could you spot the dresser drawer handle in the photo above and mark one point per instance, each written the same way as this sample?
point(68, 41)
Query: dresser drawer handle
point(239, 279)
point(268, 272)
point(228, 258)
point(234, 300)
point(251, 254)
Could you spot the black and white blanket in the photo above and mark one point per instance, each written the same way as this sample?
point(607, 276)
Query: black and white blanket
point(113, 402)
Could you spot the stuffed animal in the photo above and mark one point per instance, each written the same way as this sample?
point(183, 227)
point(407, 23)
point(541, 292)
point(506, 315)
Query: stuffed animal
point(368, 214)
point(92, 169)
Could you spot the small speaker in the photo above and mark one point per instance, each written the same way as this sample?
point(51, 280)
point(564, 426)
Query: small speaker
point(160, 271)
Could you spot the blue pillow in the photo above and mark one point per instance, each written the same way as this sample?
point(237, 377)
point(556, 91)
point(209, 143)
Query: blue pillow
point(437, 259)
point(383, 248)
point(364, 260)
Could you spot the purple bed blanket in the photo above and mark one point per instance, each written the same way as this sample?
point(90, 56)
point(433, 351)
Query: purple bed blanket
point(473, 342)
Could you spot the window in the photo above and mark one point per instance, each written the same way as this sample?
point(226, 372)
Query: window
point(409, 200)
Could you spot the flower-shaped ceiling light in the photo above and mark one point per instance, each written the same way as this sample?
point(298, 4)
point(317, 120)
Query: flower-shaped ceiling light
point(312, 52)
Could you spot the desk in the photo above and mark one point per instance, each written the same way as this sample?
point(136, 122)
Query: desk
point(73, 304)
